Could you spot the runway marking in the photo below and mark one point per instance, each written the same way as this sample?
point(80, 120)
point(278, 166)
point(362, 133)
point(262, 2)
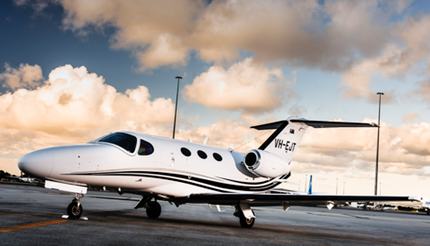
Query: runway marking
point(16, 228)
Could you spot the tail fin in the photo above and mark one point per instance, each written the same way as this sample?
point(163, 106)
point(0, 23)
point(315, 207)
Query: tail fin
point(288, 134)
point(310, 185)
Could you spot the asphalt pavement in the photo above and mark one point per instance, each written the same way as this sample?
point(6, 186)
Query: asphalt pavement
point(32, 216)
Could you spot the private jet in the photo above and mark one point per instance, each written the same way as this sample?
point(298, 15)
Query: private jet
point(181, 172)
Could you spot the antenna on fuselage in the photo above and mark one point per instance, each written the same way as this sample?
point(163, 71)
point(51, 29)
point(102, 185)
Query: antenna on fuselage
point(176, 106)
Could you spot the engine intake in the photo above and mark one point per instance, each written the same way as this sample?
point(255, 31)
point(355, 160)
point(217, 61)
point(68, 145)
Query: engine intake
point(263, 164)
point(252, 159)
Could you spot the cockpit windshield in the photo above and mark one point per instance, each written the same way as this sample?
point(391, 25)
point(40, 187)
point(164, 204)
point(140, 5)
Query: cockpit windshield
point(123, 140)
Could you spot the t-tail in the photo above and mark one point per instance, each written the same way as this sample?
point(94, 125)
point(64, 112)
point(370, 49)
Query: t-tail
point(274, 156)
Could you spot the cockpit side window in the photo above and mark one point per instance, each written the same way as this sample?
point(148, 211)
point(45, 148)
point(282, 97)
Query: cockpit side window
point(123, 140)
point(145, 148)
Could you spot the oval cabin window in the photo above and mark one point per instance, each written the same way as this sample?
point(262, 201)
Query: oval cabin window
point(185, 151)
point(217, 156)
point(202, 154)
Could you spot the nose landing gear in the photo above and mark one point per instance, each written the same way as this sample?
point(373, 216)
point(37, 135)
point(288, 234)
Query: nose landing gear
point(246, 222)
point(74, 210)
point(245, 214)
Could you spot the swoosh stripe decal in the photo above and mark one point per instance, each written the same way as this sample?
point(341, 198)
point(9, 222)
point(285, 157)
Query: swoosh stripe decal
point(187, 178)
point(185, 174)
point(173, 179)
point(255, 183)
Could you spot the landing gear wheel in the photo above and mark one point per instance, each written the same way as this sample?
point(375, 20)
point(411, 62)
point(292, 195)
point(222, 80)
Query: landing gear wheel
point(246, 223)
point(153, 209)
point(241, 210)
point(74, 210)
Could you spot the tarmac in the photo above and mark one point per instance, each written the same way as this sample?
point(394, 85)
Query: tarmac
point(32, 216)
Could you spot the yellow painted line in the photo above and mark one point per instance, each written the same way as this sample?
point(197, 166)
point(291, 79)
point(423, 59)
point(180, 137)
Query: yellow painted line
point(16, 228)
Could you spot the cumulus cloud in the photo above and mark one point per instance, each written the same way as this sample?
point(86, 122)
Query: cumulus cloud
point(305, 33)
point(328, 35)
point(402, 149)
point(74, 105)
point(165, 50)
point(332, 35)
point(155, 35)
point(25, 76)
point(75, 100)
point(247, 85)
point(407, 53)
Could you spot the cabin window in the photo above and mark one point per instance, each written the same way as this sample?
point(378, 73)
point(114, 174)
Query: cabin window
point(123, 140)
point(145, 148)
point(217, 156)
point(185, 151)
point(202, 154)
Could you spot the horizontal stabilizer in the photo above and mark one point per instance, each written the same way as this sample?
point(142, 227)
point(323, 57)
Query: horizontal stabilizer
point(313, 123)
point(331, 124)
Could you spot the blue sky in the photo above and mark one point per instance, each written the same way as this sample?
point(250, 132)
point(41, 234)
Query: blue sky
point(242, 63)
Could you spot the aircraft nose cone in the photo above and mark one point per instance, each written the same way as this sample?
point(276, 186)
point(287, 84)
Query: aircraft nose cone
point(35, 163)
point(23, 163)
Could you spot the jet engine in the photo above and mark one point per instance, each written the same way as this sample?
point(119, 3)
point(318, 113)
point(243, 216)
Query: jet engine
point(263, 164)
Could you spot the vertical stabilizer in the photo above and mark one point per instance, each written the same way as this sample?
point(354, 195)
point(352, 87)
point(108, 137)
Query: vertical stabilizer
point(288, 134)
point(285, 140)
point(310, 185)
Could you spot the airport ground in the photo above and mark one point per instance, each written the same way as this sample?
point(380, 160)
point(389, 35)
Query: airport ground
point(32, 216)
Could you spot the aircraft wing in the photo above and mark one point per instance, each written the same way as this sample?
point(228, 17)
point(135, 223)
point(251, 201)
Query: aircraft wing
point(268, 199)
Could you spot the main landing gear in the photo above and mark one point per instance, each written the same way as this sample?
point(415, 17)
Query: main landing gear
point(153, 208)
point(245, 214)
point(74, 210)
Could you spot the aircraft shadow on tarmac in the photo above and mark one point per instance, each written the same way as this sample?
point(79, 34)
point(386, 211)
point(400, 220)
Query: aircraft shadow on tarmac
point(289, 230)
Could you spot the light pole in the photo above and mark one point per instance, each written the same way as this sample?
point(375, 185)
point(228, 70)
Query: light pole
point(176, 106)
point(380, 94)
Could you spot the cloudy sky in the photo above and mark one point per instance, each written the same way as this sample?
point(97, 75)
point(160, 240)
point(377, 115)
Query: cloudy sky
point(71, 71)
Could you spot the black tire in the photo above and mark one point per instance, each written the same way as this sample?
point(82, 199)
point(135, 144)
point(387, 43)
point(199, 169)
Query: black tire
point(246, 223)
point(153, 209)
point(74, 210)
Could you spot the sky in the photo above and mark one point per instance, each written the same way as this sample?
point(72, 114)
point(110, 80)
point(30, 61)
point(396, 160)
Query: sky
point(71, 71)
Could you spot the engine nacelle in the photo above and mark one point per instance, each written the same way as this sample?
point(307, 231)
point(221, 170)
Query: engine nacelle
point(264, 164)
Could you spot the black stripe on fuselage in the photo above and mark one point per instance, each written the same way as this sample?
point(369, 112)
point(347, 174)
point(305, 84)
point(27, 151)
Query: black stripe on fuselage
point(256, 183)
point(171, 179)
point(187, 178)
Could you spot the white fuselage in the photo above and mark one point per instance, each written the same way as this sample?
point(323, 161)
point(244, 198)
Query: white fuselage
point(167, 170)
